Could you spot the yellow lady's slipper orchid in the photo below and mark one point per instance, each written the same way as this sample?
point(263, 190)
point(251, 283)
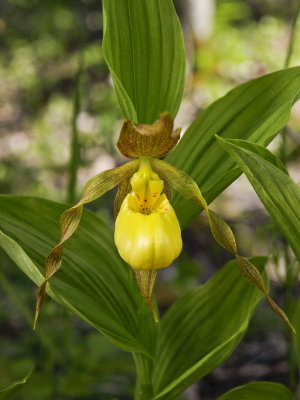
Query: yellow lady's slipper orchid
point(147, 232)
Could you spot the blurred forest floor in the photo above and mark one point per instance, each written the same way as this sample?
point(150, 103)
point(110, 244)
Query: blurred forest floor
point(44, 46)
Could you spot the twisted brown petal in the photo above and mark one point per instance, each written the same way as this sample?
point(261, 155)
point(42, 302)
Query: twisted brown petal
point(95, 187)
point(222, 233)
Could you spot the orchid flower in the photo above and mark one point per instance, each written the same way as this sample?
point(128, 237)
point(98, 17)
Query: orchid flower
point(147, 232)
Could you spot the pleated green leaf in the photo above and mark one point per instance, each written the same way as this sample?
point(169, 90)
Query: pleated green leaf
point(143, 47)
point(259, 391)
point(254, 111)
point(277, 191)
point(93, 281)
point(201, 330)
point(10, 391)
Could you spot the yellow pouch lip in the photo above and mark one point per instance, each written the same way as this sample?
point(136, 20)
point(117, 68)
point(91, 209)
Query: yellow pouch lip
point(148, 241)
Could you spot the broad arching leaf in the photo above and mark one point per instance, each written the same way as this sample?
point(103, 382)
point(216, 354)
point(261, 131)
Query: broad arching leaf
point(93, 281)
point(201, 329)
point(259, 391)
point(143, 47)
point(255, 111)
point(277, 191)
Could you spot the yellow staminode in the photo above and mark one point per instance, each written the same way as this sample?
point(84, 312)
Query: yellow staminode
point(147, 232)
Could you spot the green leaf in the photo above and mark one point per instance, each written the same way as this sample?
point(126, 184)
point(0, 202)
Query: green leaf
point(143, 47)
point(277, 191)
point(201, 329)
point(10, 391)
point(93, 281)
point(259, 391)
point(255, 111)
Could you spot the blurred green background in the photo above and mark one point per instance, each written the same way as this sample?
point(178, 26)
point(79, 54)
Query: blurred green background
point(53, 78)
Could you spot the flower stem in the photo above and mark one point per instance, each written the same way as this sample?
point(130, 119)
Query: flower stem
point(292, 35)
point(75, 146)
point(143, 388)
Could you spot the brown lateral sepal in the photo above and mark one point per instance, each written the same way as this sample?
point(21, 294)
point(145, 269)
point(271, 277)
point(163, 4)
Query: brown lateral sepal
point(146, 280)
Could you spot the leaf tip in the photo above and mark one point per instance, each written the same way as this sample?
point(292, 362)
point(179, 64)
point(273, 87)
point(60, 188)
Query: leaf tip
point(35, 321)
point(39, 301)
point(219, 138)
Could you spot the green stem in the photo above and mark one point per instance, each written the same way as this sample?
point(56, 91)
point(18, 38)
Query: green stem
point(143, 388)
point(288, 307)
point(288, 298)
point(292, 36)
point(287, 61)
point(45, 341)
point(288, 304)
point(75, 147)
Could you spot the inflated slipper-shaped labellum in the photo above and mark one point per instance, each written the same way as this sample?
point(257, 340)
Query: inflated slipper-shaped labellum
point(147, 232)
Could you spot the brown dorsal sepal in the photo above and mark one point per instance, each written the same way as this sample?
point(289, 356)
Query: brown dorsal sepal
point(149, 140)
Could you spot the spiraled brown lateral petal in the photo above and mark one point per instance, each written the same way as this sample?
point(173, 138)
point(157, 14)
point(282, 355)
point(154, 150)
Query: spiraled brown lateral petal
point(221, 231)
point(279, 311)
point(95, 187)
point(149, 140)
point(250, 273)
